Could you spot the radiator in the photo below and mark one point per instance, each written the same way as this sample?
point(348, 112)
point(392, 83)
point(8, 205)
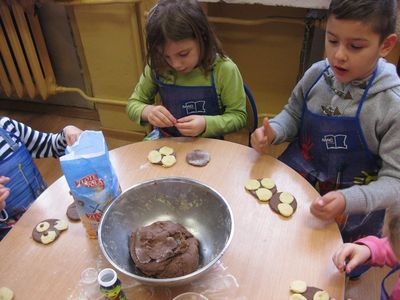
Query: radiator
point(25, 67)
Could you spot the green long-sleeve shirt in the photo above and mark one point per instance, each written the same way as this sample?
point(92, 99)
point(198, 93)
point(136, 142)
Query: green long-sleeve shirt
point(230, 91)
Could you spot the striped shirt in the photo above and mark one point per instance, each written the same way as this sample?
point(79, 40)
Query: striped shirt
point(39, 144)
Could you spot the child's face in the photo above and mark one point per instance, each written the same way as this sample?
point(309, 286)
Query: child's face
point(183, 56)
point(352, 49)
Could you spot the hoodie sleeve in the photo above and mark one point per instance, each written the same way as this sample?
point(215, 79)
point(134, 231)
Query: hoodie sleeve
point(381, 251)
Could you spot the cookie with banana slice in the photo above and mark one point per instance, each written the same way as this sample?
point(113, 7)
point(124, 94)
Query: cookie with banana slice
point(47, 231)
point(263, 189)
point(301, 291)
point(283, 203)
point(164, 156)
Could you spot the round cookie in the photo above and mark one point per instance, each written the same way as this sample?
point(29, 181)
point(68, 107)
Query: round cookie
point(164, 156)
point(47, 231)
point(275, 201)
point(262, 189)
point(310, 292)
point(72, 212)
point(198, 158)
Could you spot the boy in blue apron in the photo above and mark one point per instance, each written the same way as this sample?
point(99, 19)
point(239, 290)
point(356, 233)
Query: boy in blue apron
point(201, 90)
point(20, 180)
point(343, 120)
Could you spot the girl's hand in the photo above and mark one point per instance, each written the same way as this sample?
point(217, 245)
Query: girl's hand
point(4, 191)
point(71, 134)
point(329, 206)
point(158, 116)
point(262, 137)
point(192, 125)
point(349, 256)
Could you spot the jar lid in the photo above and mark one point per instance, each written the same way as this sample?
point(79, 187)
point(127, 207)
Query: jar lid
point(107, 277)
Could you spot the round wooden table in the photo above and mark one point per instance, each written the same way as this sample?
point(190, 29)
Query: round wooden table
point(267, 251)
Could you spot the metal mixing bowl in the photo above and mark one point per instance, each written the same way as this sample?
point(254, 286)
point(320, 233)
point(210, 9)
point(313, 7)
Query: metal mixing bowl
point(199, 208)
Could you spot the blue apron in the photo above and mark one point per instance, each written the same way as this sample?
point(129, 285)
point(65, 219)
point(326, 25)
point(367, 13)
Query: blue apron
point(331, 153)
point(26, 183)
point(384, 293)
point(182, 101)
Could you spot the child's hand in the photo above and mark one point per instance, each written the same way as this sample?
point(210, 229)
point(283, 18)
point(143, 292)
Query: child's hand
point(350, 256)
point(4, 191)
point(71, 134)
point(328, 206)
point(192, 125)
point(262, 137)
point(158, 116)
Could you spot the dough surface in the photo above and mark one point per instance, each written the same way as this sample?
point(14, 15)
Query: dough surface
point(164, 249)
point(198, 158)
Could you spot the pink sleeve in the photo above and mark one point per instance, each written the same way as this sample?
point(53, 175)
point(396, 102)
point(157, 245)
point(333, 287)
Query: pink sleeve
point(381, 251)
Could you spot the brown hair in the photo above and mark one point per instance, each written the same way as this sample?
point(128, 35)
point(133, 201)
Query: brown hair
point(177, 20)
point(380, 14)
point(391, 228)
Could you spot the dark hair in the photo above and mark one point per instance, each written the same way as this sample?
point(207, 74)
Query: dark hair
point(380, 14)
point(177, 20)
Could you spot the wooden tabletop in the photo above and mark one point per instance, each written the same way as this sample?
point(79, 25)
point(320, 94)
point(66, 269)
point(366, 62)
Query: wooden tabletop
point(266, 254)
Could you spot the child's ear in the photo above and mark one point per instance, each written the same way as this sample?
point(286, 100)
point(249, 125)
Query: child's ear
point(388, 44)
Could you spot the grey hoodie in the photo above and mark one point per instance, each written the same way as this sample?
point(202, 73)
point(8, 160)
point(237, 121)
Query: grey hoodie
point(380, 123)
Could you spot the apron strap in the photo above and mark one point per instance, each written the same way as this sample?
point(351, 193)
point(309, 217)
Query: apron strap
point(384, 294)
point(7, 137)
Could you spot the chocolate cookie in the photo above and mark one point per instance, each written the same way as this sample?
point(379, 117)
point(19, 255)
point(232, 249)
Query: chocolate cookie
point(283, 203)
point(311, 291)
point(72, 212)
point(198, 158)
point(263, 189)
point(48, 230)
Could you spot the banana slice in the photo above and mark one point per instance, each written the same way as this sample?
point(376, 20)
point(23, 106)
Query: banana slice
point(297, 297)
point(263, 194)
point(268, 183)
point(42, 226)
point(168, 161)
point(60, 225)
point(286, 197)
point(321, 295)
point(6, 293)
point(298, 286)
point(154, 157)
point(165, 150)
point(252, 184)
point(48, 237)
point(285, 209)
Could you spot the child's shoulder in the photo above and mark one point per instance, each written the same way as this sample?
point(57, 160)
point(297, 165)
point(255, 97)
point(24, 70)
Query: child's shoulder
point(224, 64)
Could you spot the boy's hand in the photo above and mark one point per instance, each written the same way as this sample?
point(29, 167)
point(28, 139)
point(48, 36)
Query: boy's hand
point(192, 125)
point(158, 116)
point(262, 137)
point(4, 191)
point(328, 206)
point(350, 256)
point(71, 134)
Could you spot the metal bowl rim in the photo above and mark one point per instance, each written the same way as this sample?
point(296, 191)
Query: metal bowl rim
point(175, 279)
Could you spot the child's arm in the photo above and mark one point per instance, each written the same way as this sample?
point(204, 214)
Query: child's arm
point(71, 134)
point(328, 206)
point(376, 251)
point(229, 86)
point(262, 137)
point(350, 256)
point(143, 97)
point(39, 144)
